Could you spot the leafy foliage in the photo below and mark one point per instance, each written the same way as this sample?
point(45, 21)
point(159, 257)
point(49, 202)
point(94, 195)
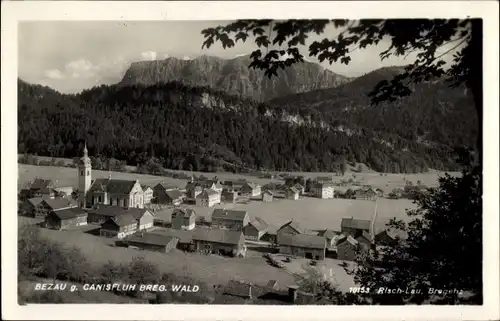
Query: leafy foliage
point(443, 250)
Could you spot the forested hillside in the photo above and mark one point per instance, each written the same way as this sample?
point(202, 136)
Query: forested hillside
point(200, 129)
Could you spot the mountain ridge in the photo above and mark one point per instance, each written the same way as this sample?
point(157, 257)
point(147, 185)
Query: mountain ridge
point(232, 76)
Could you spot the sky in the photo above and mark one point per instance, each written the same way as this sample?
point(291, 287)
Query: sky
point(70, 56)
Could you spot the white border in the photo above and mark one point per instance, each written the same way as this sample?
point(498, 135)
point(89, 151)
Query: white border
point(12, 12)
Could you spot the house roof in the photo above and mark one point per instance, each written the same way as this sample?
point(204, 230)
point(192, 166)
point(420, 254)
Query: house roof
point(292, 189)
point(145, 187)
point(59, 203)
point(355, 223)
point(182, 235)
point(259, 224)
point(69, 213)
point(295, 225)
point(39, 183)
point(348, 239)
point(124, 219)
point(235, 215)
point(365, 235)
point(393, 233)
point(166, 186)
point(322, 184)
point(298, 186)
point(329, 234)
point(114, 186)
point(174, 194)
point(251, 185)
point(218, 236)
point(183, 212)
point(151, 238)
point(207, 193)
point(302, 240)
point(268, 192)
point(273, 284)
point(35, 200)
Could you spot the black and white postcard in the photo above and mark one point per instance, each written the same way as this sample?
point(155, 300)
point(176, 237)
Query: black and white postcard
point(250, 160)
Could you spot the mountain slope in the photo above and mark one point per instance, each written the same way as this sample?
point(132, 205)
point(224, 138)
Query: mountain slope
point(197, 128)
point(434, 114)
point(232, 76)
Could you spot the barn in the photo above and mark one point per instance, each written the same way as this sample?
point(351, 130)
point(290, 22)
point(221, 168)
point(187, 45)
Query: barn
point(230, 219)
point(65, 219)
point(354, 226)
point(119, 226)
point(183, 219)
point(292, 227)
point(255, 229)
point(218, 241)
point(301, 245)
point(153, 242)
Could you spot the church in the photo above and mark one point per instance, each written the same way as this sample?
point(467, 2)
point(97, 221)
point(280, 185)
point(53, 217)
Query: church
point(106, 191)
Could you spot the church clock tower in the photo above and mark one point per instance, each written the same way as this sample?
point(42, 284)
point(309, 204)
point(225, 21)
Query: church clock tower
point(84, 177)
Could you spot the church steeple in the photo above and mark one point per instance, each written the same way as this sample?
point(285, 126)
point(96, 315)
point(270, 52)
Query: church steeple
point(85, 151)
point(84, 176)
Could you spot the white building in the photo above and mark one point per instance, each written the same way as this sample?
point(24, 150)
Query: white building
point(322, 190)
point(208, 198)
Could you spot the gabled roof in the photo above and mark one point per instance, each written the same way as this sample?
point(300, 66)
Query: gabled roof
point(393, 233)
point(295, 225)
point(266, 191)
point(114, 186)
point(165, 186)
point(251, 185)
point(39, 183)
point(292, 189)
point(298, 186)
point(145, 187)
point(207, 193)
point(218, 236)
point(174, 194)
point(350, 240)
point(182, 235)
point(365, 235)
point(69, 213)
point(273, 284)
point(235, 215)
point(59, 203)
point(259, 224)
point(35, 200)
point(123, 220)
point(329, 234)
point(137, 213)
point(183, 212)
point(355, 223)
point(302, 240)
point(151, 238)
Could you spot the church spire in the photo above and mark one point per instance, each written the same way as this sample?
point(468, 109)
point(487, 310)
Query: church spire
point(85, 151)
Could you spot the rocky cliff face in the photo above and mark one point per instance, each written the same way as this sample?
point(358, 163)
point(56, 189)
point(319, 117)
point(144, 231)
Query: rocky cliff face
point(233, 76)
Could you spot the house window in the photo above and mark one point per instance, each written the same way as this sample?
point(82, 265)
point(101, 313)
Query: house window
point(88, 173)
point(81, 173)
point(99, 199)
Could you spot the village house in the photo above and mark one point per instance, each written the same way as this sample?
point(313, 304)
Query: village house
point(119, 226)
point(39, 188)
point(347, 249)
point(301, 245)
point(255, 229)
point(292, 227)
point(329, 235)
point(354, 226)
point(173, 197)
point(160, 195)
point(365, 240)
point(292, 193)
point(208, 198)
point(230, 219)
point(219, 241)
point(229, 196)
point(267, 196)
point(322, 190)
point(388, 237)
point(184, 237)
point(183, 219)
point(192, 190)
point(366, 194)
point(153, 242)
point(41, 206)
point(148, 194)
point(251, 189)
point(102, 213)
point(63, 191)
point(66, 218)
point(234, 185)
